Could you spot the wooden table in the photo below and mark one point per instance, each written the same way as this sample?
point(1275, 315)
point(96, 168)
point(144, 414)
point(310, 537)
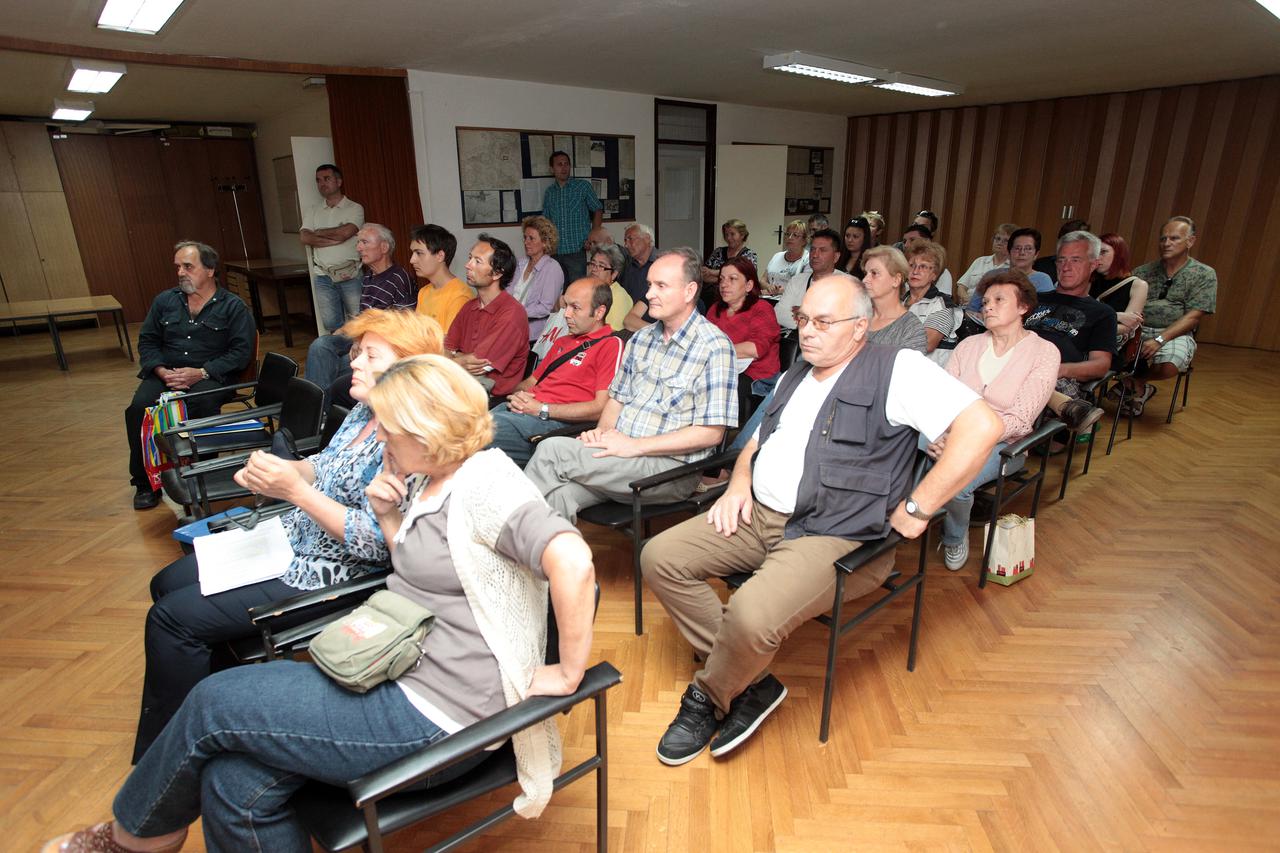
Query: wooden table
point(281, 274)
point(50, 310)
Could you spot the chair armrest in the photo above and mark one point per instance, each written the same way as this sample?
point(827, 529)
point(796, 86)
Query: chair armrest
point(307, 446)
point(867, 552)
point(264, 513)
point(229, 418)
point(570, 431)
point(218, 463)
point(1090, 386)
point(236, 387)
point(411, 769)
point(718, 460)
point(361, 585)
point(1024, 444)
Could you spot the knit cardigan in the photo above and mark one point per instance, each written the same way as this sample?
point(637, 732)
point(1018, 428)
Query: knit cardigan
point(1021, 389)
point(509, 603)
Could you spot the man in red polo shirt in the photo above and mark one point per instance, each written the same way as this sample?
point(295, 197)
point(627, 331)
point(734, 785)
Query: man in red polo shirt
point(571, 384)
point(489, 337)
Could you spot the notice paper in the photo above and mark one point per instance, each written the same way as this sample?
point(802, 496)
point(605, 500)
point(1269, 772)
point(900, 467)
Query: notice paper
point(237, 557)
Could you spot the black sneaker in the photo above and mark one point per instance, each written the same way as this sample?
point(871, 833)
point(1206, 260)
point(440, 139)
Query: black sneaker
point(691, 730)
point(747, 712)
point(144, 498)
point(1079, 415)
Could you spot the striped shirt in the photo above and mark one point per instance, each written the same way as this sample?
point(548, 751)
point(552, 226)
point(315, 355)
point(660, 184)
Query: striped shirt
point(569, 208)
point(666, 385)
point(391, 288)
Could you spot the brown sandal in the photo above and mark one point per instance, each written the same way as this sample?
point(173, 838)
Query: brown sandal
point(97, 839)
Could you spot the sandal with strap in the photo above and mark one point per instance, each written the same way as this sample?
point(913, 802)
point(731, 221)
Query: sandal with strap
point(97, 839)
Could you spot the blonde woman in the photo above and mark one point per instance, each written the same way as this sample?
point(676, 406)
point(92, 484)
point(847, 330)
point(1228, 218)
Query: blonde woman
point(735, 236)
point(885, 278)
point(539, 279)
point(479, 547)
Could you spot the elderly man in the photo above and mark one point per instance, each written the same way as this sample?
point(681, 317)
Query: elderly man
point(1183, 291)
point(824, 251)
point(571, 384)
point(829, 468)
point(490, 336)
point(670, 403)
point(638, 239)
point(385, 284)
point(572, 206)
point(196, 337)
point(329, 229)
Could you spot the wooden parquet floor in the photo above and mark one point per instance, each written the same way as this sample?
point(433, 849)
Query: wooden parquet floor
point(1126, 697)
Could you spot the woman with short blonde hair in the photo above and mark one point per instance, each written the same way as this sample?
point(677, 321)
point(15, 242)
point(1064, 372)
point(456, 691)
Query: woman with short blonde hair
point(885, 277)
point(735, 233)
point(539, 278)
point(457, 427)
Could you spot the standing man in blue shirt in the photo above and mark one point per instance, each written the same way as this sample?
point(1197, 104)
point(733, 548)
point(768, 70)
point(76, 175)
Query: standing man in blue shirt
point(571, 204)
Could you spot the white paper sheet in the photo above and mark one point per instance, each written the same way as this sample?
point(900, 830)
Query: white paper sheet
point(236, 557)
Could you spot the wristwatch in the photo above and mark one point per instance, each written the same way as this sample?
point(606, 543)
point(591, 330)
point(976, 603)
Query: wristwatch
point(204, 373)
point(914, 510)
point(544, 414)
point(1159, 339)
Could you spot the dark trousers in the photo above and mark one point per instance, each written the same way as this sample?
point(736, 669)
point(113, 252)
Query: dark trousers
point(182, 627)
point(149, 391)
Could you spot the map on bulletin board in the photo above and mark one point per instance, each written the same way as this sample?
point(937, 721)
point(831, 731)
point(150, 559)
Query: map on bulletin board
point(503, 173)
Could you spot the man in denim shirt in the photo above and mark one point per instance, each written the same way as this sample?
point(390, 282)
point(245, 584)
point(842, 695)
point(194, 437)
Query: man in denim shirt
point(196, 337)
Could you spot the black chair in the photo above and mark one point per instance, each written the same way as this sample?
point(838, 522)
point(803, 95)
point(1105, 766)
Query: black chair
point(383, 802)
point(1094, 391)
point(895, 585)
point(266, 394)
point(199, 484)
point(1007, 486)
point(1183, 382)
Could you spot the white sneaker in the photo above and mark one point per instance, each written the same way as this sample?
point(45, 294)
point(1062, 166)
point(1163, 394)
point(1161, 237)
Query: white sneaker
point(955, 556)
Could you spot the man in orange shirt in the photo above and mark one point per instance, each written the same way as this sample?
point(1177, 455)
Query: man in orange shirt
point(431, 250)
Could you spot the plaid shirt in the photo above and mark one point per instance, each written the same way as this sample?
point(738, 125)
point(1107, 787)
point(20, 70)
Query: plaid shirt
point(666, 385)
point(570, 208)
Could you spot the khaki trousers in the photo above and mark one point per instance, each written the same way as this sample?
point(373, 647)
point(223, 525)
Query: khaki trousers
point(793, 581)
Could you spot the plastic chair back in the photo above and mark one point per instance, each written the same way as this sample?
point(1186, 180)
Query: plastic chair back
point(303, 408)
point(273, 378)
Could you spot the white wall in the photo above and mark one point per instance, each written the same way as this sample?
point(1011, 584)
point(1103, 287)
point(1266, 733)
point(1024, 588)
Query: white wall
point(441, 102)
point(273, 140)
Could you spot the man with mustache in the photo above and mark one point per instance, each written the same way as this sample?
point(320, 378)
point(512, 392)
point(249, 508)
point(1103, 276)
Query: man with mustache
point(196, 337)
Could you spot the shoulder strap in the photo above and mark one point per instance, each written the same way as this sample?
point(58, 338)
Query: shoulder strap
point(583, 347)
point(1113, 288)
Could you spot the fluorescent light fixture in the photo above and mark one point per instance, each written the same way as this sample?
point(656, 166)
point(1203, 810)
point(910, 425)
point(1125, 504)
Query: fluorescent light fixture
point(94, 77)
point(826, 68)
point(137, 16)
point(1272, 6)
point(72, 110)
point(913, 85)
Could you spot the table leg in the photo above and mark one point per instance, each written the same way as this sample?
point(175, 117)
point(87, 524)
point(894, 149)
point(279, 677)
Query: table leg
point(257, 302)
point(57, 343)
point(282, 302)
point(125, 326)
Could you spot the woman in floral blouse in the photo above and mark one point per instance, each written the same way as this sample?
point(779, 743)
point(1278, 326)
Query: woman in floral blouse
point(334, 535)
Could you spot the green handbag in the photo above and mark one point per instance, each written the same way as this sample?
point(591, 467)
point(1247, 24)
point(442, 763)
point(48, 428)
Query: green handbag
point(379, 641)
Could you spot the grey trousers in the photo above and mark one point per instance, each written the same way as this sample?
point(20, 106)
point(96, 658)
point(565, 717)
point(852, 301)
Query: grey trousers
point(793, 581)
point(571, 478)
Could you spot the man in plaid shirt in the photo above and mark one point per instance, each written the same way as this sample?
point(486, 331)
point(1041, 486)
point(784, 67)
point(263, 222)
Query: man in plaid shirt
point(571, 204)
point(670, 403)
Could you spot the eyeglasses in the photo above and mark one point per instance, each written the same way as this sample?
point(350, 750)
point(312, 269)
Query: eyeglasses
point(1164, 291)
point(1022, 249)
point(923, 266)
point(858, 222)
point(596, 265)
point(820, 323)
point(928, 214)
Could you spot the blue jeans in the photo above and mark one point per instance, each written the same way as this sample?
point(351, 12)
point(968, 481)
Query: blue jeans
point(247, 738)
point(955, 527)
point(328, 357)
point(512, 431)
point(337, 301)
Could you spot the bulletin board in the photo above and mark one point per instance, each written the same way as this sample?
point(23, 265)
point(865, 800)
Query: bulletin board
point(809, 180)
point(503, 172)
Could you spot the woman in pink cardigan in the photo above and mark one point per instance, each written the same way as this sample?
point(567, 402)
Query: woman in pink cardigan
point(1014, 370)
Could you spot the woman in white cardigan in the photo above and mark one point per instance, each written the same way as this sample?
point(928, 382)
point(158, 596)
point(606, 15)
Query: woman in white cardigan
point(479, 547)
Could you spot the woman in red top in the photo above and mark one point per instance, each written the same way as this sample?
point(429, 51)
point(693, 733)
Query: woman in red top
point(748, 320)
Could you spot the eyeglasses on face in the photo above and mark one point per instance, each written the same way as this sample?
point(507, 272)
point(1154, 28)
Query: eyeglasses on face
point(596, 265)
point(822, 324)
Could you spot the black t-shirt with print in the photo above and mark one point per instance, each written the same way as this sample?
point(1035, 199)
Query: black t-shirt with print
point(1076, 325)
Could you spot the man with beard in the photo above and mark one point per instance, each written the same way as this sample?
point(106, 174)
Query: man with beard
point(196, 337)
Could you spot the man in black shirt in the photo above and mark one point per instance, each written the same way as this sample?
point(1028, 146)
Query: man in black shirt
point(1082, 328)
point(196, 337)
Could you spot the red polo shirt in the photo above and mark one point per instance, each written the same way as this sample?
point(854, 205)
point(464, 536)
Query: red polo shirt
point(498, 332)
point(580, 378)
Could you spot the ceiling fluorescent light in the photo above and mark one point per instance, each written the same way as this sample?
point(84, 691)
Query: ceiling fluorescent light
point(1272, 6)
point(812, 65)
point(94, 77)
point(72, 110)
point(137, 16)
point(913, 85)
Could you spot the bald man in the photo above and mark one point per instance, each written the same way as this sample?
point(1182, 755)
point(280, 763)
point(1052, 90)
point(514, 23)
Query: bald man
point(833, 470)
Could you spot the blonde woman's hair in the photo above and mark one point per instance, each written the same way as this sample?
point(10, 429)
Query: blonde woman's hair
point(934, 252)
point(797, 224)
point(895, 263)
point(435, 401)
point(737, 225)
point(408, 332)
point(873, 217)
point(546, 230)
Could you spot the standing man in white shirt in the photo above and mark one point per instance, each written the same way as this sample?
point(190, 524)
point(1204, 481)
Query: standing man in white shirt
point(329, 229)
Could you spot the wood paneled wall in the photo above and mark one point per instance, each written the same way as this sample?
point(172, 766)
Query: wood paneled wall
point(132, 197)
point(1125, 162)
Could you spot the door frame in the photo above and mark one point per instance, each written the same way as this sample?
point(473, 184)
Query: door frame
point(708, 146)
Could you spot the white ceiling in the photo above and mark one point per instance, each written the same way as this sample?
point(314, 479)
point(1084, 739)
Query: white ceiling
point(695, 49)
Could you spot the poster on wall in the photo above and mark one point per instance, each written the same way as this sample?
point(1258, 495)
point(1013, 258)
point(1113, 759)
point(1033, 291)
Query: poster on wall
point(808, 179)
point(503, 173)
